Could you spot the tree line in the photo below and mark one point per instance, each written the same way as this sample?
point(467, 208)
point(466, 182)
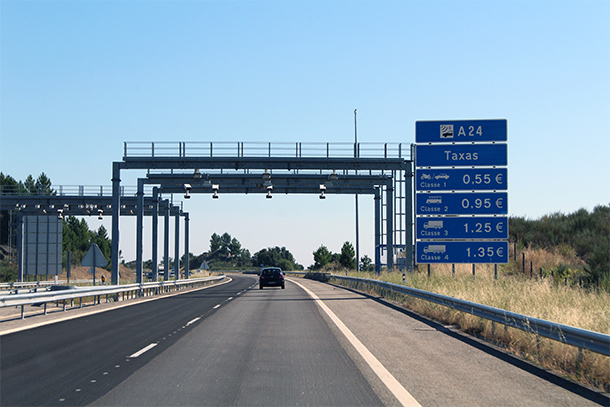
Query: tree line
point(76, 236)
point(587, 233)
point(346, 259)
point(31, 186)
point(226, 252)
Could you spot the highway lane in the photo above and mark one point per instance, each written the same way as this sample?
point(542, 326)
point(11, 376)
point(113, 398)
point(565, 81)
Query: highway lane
point(219, 346)
point(269, 347)
point(77, 361)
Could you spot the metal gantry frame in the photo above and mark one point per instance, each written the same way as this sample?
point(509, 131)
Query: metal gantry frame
point(176, 168)
point(79, 205)
point(379, 169)
point(197, 183)
point(164, 206)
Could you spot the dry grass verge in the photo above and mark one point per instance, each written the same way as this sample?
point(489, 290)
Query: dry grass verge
point(539, 298)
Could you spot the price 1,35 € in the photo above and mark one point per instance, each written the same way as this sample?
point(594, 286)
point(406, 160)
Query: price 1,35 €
point(440, 251)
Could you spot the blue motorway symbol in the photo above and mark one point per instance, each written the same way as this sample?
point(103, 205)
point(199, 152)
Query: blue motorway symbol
point(453, 131)
point(462, 203)
point(480, 227)
point(461, 179)
point(460, 155)
point(461, 252)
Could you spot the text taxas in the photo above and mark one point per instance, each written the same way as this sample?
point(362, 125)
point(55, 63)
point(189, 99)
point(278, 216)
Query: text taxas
point(451, 156)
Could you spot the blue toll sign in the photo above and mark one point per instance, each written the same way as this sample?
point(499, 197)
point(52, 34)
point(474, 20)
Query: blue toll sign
point(462, 203)
point(480, 227)
point(461, 179)
point(461, 252)
point(461, 155)
point(455, 131)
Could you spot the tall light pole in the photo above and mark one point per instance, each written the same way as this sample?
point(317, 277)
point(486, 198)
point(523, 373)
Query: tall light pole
point(355, 156)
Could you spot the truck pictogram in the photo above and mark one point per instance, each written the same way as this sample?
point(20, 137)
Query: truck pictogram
point(435, 248)
point(433, 224)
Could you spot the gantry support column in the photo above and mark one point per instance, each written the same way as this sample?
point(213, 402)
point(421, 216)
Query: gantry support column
point(20, 242)
point(116, 212)
point(166, 243)
point(390, 226)
point(139, 231)
point(377, 230)
point(155, 235)
point(177, 245)
point(186, 245)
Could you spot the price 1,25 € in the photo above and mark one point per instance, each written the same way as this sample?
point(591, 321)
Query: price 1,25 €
point(479, 227)
point(465, 203)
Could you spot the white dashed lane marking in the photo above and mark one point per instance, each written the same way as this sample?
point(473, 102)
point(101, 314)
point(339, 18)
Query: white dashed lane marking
point(192, 321)
point(152, 345)
point(143, 350)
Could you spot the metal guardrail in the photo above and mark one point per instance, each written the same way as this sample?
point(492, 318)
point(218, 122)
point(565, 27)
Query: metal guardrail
point(582, 338)
point(296, 273)
point(71, 293)
point(20, 285)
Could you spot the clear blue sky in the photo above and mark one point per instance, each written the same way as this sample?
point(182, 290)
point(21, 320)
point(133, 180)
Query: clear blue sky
point(78, 78)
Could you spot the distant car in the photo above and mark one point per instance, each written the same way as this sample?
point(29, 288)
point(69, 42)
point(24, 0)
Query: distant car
point(271, 277)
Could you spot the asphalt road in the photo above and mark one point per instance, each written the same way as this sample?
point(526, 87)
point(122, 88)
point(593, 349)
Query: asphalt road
point(234, 344)
point(219, 346)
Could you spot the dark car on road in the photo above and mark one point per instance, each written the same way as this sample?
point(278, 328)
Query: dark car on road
point(271, 277)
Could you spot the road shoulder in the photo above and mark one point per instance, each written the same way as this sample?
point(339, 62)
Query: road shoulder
point(418, 352)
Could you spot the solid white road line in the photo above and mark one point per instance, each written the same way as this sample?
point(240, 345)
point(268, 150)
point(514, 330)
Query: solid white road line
point(141, 351)
point(404, 397)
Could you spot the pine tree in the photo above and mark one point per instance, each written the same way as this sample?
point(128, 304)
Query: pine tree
point(348, 256)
